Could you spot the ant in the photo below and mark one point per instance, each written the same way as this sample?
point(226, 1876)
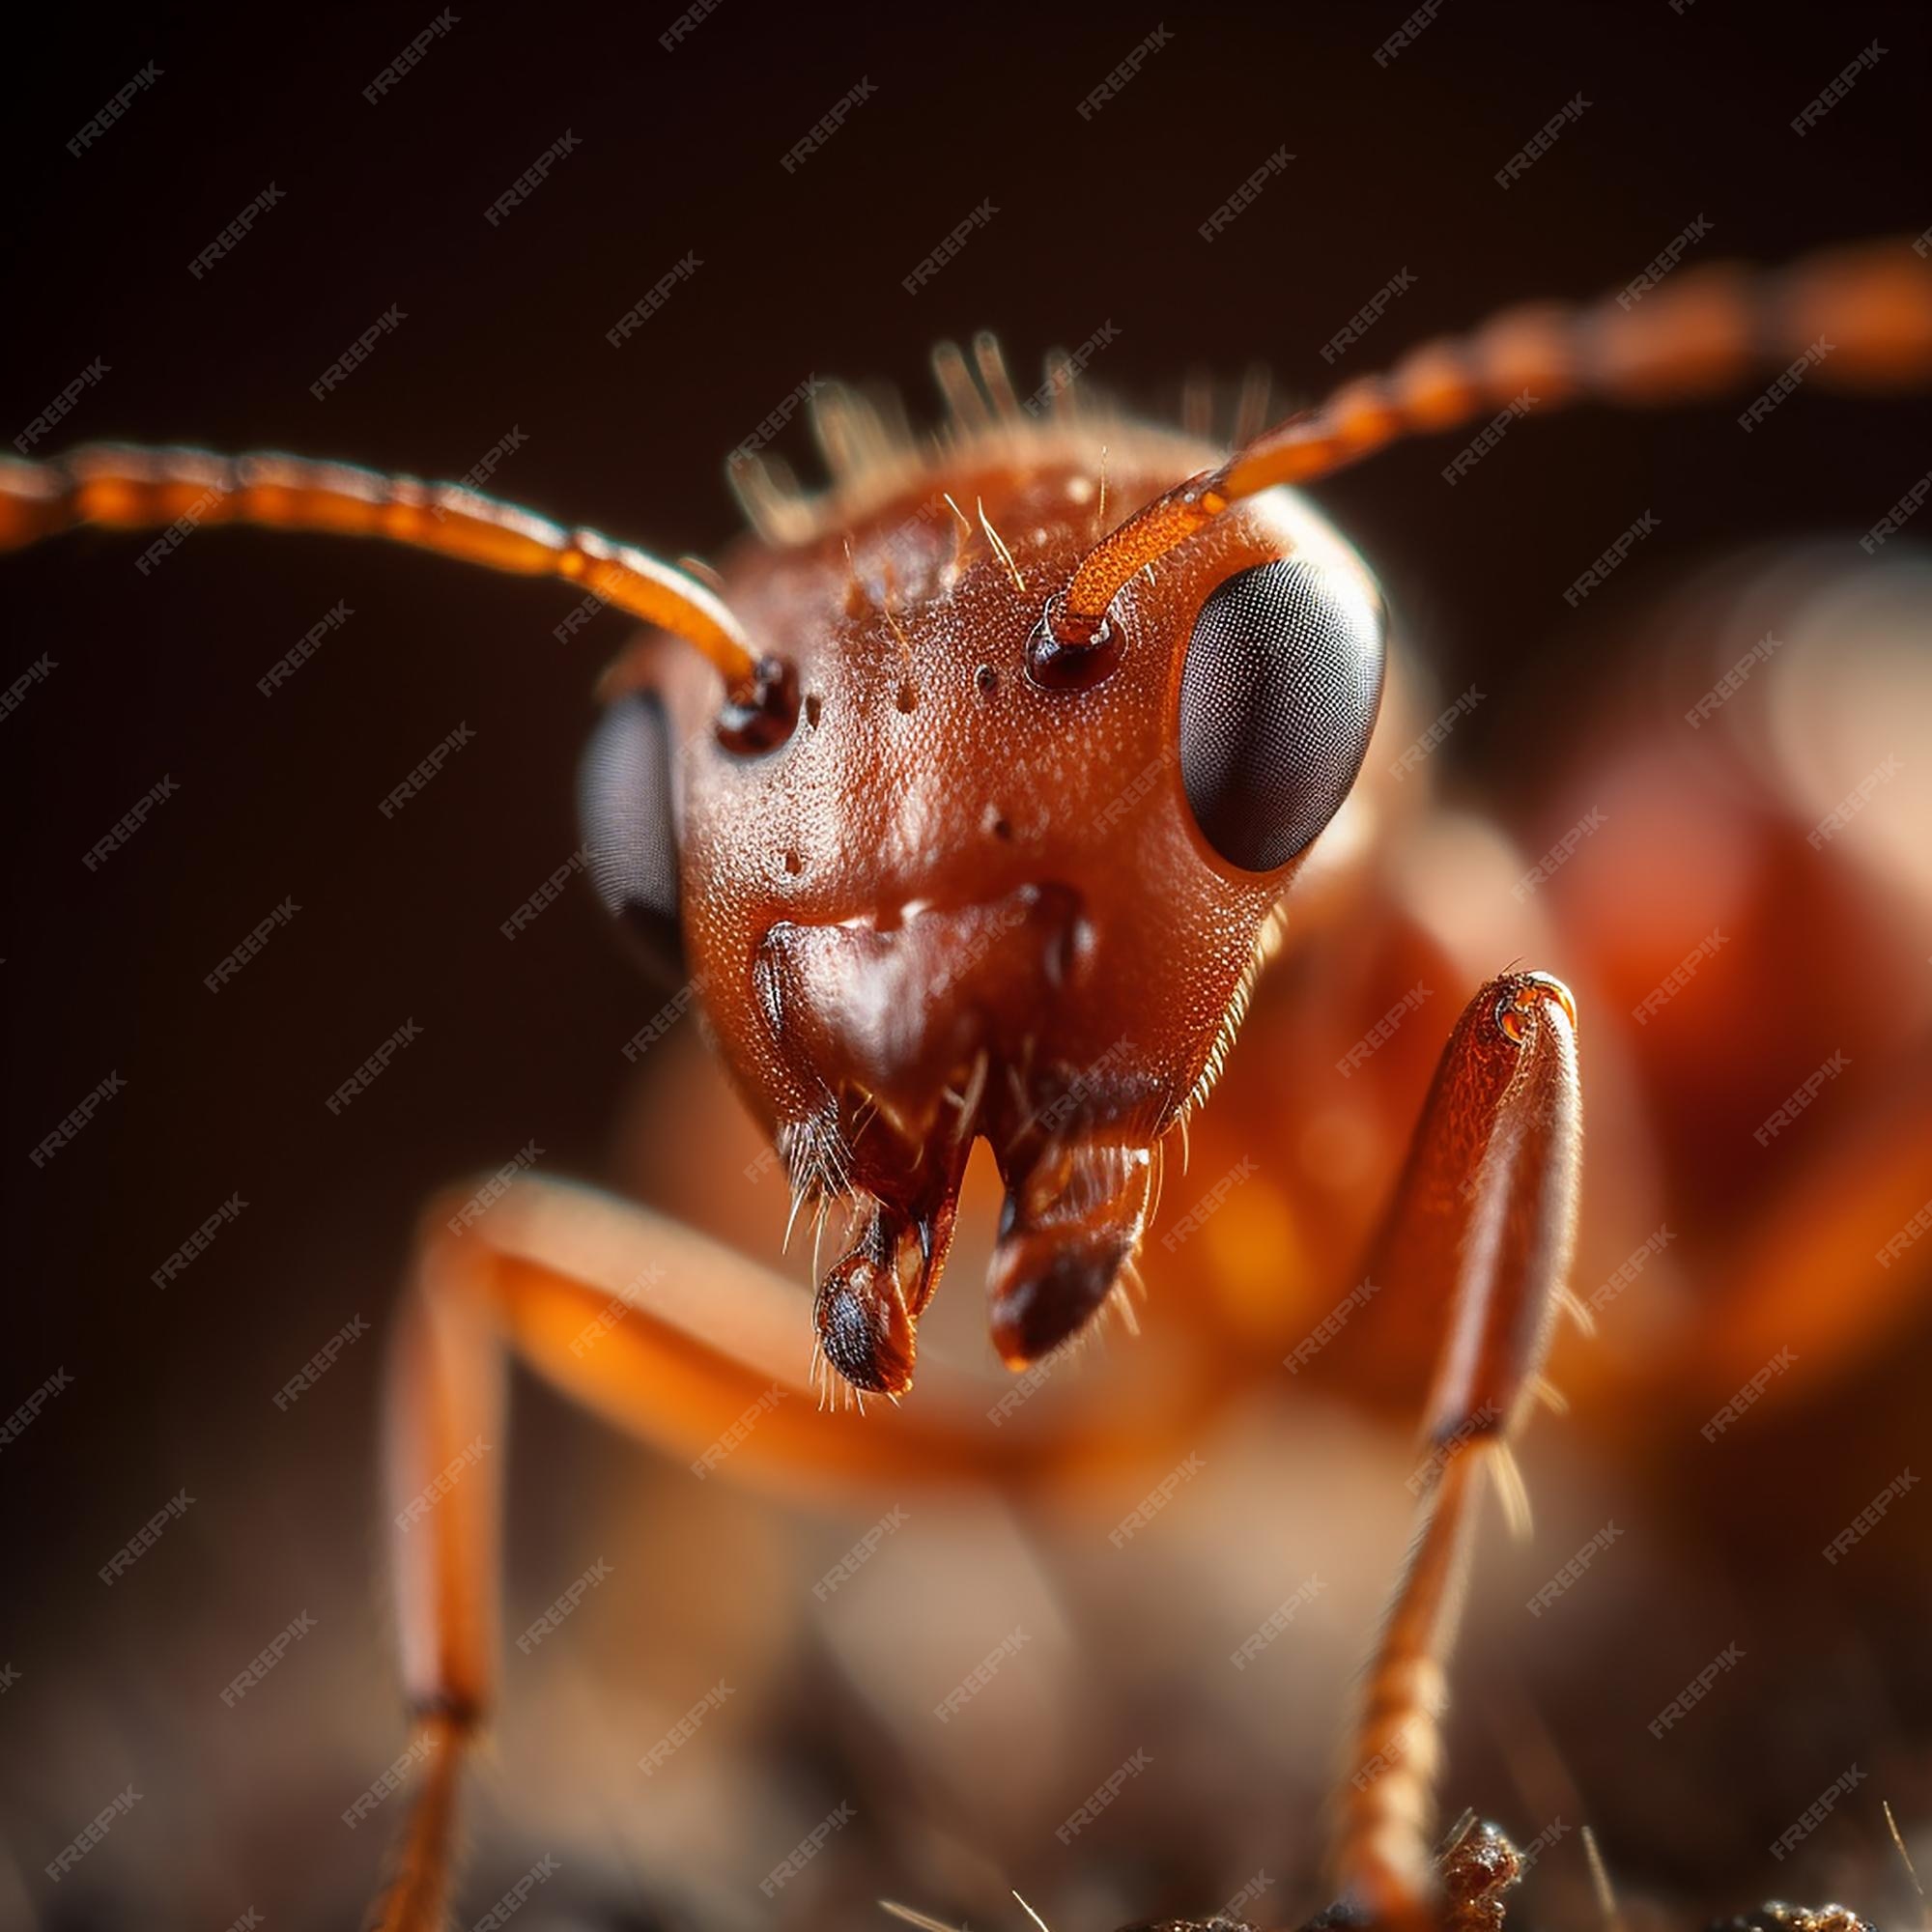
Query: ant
point(968, 801)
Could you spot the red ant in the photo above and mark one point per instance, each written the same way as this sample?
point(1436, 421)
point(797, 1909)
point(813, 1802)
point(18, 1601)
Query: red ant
point(969, 799)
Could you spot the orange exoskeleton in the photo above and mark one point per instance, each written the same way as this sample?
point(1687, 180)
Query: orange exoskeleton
point(971, 816)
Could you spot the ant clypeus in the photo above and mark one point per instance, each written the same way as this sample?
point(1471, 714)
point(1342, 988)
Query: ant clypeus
point(970, 812)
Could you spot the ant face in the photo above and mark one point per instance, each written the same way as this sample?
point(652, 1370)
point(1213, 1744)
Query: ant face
point(963, 898)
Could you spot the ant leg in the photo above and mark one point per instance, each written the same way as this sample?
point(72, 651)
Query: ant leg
point(1484, 1218)
point(671, 1336)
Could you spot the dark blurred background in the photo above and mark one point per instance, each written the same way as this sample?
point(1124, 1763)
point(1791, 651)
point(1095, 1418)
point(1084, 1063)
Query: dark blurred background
point(679, 153)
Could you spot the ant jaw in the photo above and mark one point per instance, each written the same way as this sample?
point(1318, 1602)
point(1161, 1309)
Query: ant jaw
point(1072, 1224)
point(865, 1323)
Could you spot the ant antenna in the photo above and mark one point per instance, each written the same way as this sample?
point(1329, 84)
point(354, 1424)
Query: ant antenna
point(124, 487)
point(1861, 315)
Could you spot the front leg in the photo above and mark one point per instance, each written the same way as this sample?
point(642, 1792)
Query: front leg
point(1484, 1220)
point(673, 1337)
point(678, 1340)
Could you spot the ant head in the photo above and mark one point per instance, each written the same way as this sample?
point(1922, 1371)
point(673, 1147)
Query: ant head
point(985, 885)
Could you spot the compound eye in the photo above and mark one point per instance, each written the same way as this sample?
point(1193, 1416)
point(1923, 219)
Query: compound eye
point(624, 806)
point(1278, 697)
